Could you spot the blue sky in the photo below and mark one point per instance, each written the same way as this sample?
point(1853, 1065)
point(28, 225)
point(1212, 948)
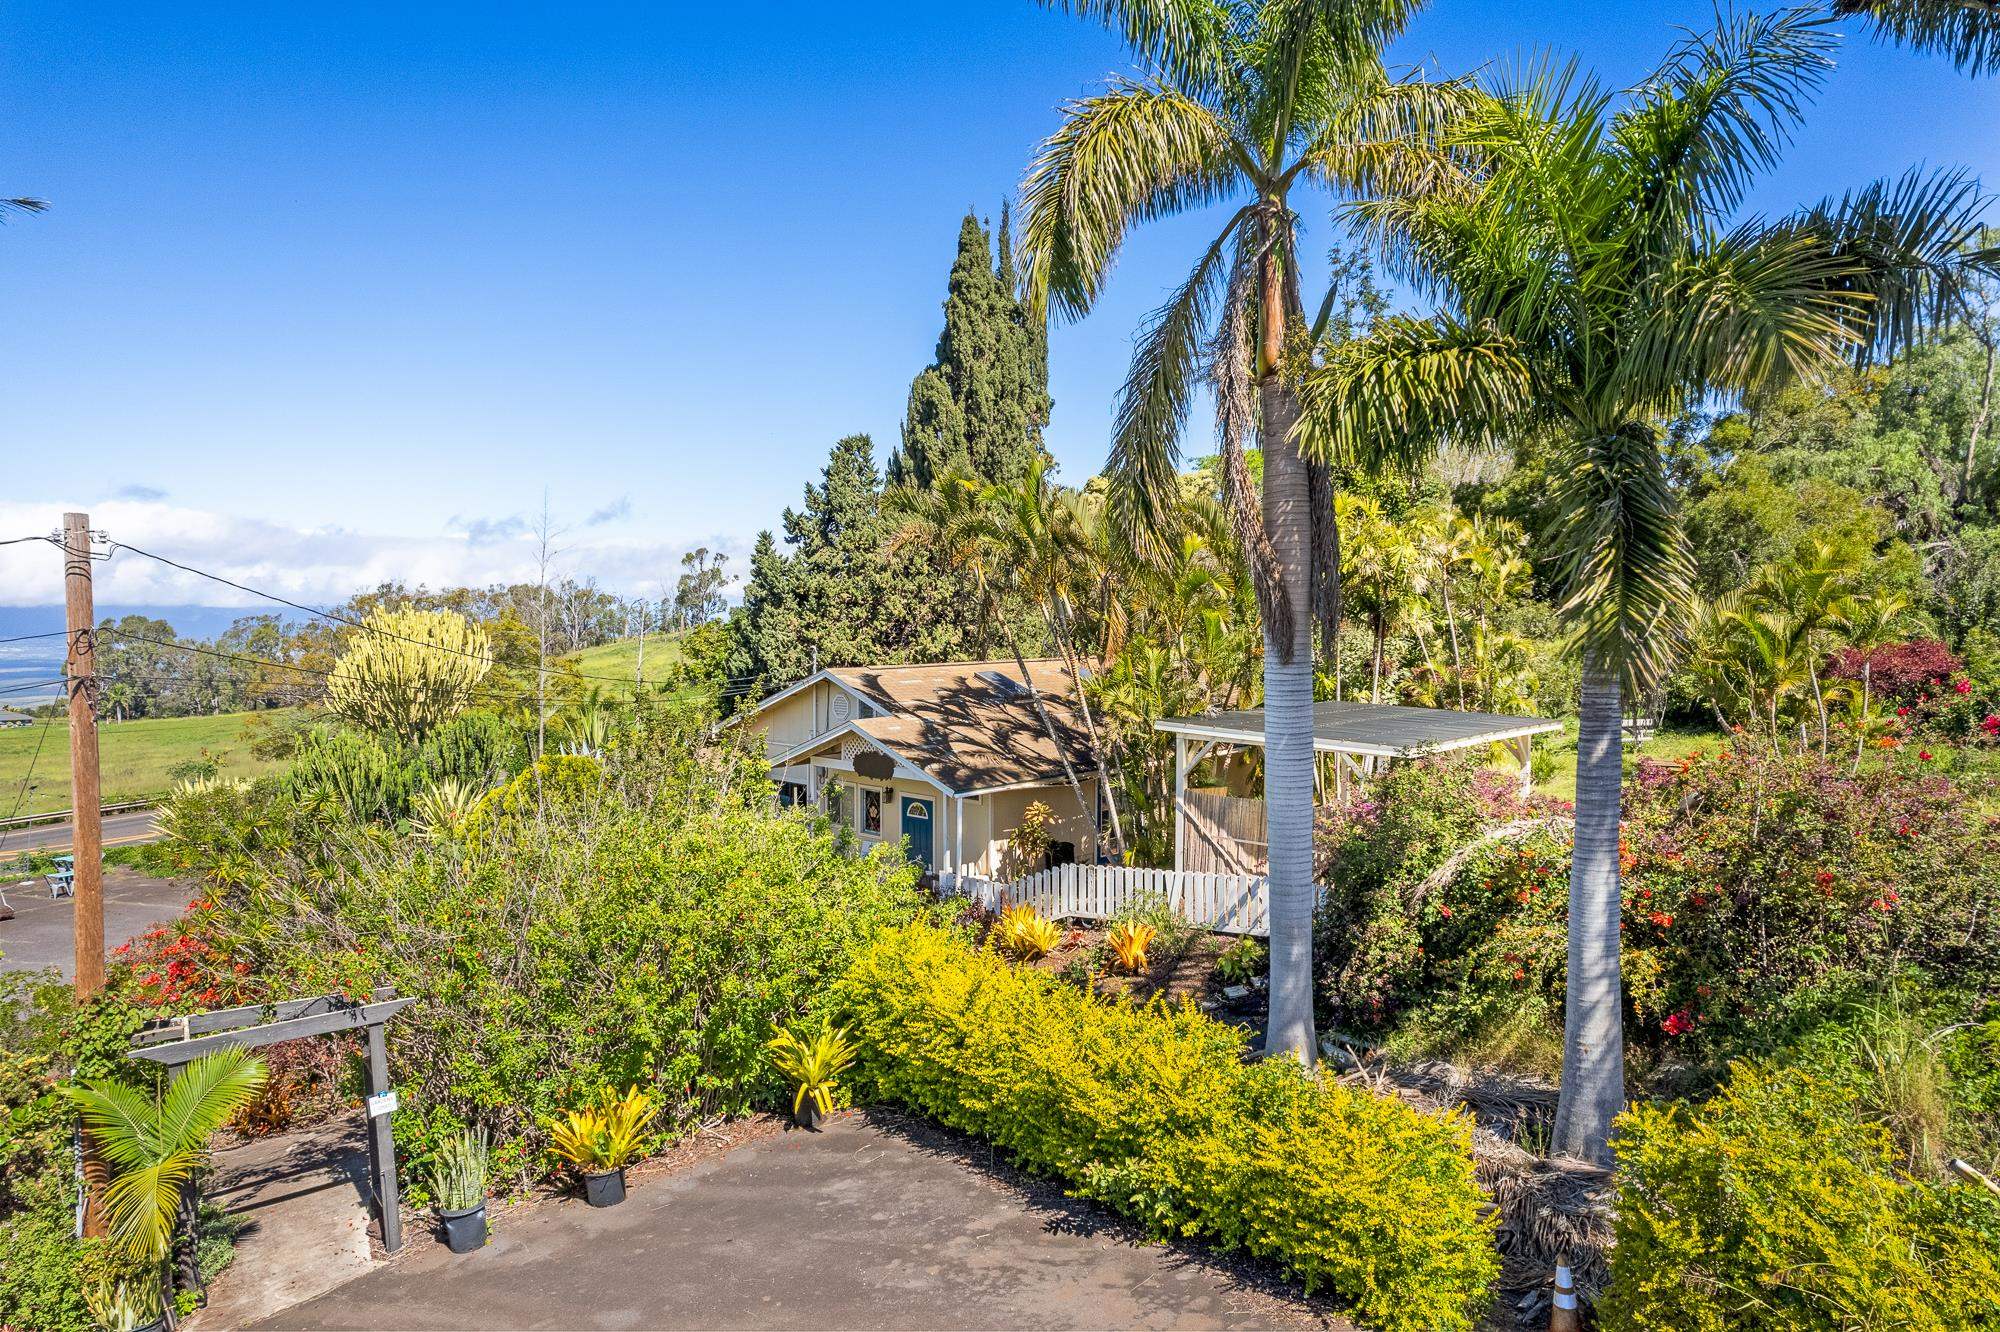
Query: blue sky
point(329, 292)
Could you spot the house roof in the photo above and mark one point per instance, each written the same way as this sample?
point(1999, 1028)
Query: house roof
point(1383, 730)
point(969, 724)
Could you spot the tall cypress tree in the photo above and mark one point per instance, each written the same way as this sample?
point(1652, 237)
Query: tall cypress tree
point(981, 405)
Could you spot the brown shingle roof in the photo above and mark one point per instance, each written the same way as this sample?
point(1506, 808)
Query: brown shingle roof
point(972, 733)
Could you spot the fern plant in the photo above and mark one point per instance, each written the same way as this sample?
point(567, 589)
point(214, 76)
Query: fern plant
point(156, 1145)
point(814, 1064)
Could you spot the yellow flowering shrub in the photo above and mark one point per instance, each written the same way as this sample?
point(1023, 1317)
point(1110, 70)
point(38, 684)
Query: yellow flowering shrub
point(1774, 1205)
point(1153, 1112)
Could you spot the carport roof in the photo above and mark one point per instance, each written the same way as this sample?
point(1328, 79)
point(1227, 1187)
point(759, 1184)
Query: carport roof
point(1384, 730)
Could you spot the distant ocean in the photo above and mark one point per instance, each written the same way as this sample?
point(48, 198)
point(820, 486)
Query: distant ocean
point(24, 666)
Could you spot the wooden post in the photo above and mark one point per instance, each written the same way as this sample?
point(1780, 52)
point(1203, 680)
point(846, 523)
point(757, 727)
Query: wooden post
point(382, 1141)
point(1180, 798)
point(86, 834)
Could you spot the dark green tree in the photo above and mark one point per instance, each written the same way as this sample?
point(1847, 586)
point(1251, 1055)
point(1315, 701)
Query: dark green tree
point(839, 596)
point(979, 408)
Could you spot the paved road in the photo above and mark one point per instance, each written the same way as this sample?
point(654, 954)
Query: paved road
point(864, 1225)
point(42, 933)
point(138, 826)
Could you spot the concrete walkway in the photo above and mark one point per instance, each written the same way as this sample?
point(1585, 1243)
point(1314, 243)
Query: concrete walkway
point(304, 1199)
point(874, 1222)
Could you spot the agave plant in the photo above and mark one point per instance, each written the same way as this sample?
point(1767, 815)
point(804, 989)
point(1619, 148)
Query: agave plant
point(156, 1145)
point(125, 1307)
point(1128, 942)
point(813, 1063)
point(606, 1136)
point(1026, 933)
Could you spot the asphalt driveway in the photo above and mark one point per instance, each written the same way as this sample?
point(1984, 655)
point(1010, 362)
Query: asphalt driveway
point(874, 1222)
point(42, 933)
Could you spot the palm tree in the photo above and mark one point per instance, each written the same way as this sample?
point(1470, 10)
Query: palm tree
point(21, 206)
point(1007, 546)
point(1239, 100)
point(1594, 286)
point(156, 1145)
point(1967, 32)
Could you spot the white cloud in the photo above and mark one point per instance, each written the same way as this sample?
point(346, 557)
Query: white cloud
point(317, 566)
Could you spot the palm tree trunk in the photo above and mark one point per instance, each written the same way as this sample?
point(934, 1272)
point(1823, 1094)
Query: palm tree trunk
point(1978, 428)
point(1593, 1073)
point(1451, 622)
point(1288, 732)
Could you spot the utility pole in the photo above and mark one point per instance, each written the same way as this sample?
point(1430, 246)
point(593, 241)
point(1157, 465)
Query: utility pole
point(86, 834)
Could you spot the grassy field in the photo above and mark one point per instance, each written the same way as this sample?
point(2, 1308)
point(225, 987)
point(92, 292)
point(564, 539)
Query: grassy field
point(620, 659)
point(1671, 743)
point(134, 757)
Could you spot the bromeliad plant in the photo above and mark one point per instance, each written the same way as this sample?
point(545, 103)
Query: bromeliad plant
point(1128, 941)
point(606, 1136)
point(813, 1063)
point(1026, 933)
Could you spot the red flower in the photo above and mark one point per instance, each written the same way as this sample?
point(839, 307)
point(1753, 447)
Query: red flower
point(1902, 712)
point(1445, 911)
point(1991, 725)
point(1678, 1024)
point(1661, 919)
point(1962, 685)
point(1924, 755)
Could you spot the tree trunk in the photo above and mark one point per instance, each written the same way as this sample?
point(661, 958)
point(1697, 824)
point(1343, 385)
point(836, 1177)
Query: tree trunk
point(1288, 732)
point(1593, 1073)
point(1065, 641)
point(1977, 429)
point(1451, 622)
point(1049, 726)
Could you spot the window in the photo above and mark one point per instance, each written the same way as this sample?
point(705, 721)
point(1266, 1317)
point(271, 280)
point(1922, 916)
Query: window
point(871, 813)
point(790, 794)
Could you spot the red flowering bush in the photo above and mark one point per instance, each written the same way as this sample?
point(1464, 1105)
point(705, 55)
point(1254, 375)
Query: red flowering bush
point(1750, 879)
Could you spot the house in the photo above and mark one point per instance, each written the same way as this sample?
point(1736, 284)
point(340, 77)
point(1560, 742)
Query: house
point(10, 718)
point(944, 758)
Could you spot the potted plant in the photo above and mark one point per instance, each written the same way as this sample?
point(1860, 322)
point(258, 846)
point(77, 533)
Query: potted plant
point(601, 1140)
point(458, 1181)
point(813, 1064)
point(127, 1307)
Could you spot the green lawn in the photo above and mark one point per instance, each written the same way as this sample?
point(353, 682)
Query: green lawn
point(1669, 744)
point(620, 659)
point(133, 757)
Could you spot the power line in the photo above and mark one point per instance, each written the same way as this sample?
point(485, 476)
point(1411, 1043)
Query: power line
point(15, 541)
point(23, 638)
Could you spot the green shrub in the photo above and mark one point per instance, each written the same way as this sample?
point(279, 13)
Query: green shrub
point(647, 922)
point(478, 748)
point(1776, 1206)
point(1153, 1112)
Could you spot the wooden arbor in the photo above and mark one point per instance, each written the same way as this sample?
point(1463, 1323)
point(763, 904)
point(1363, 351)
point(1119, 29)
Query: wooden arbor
point(175, 1041)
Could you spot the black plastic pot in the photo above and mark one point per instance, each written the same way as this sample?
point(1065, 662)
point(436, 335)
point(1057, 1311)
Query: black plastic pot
point(157, 1325)
point(605, 1190)
point(465, 1231)
point(808, 1115)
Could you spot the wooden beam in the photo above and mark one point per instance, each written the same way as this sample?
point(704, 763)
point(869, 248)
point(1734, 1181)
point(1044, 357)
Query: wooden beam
point(250, 1015)
point(270, 1033)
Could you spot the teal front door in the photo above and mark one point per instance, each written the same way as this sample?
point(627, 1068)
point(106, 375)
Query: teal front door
point(917, 830)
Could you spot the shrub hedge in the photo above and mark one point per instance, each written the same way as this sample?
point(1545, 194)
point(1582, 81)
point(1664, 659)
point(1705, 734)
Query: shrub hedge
point(1775, 1205)
point(1153, 1112)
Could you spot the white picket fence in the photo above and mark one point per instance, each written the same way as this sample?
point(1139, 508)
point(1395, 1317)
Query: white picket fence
point(1229, 903)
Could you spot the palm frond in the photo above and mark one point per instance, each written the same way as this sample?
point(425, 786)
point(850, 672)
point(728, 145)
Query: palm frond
point(1136, 152)
point(1909, 245)
point(208, 1092)
point(140, 1204)
point(1411, 386)
point(22, 206)
point(1144, 466)
point(1628, 578)
point(1184, 39)
point(1965, 32)
point(1720, 109)
point(122, 1118)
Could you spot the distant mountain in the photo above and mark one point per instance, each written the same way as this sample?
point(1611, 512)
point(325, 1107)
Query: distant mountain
point(23, 666)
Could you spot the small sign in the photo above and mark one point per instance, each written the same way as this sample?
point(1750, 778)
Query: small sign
point(382, 1103)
